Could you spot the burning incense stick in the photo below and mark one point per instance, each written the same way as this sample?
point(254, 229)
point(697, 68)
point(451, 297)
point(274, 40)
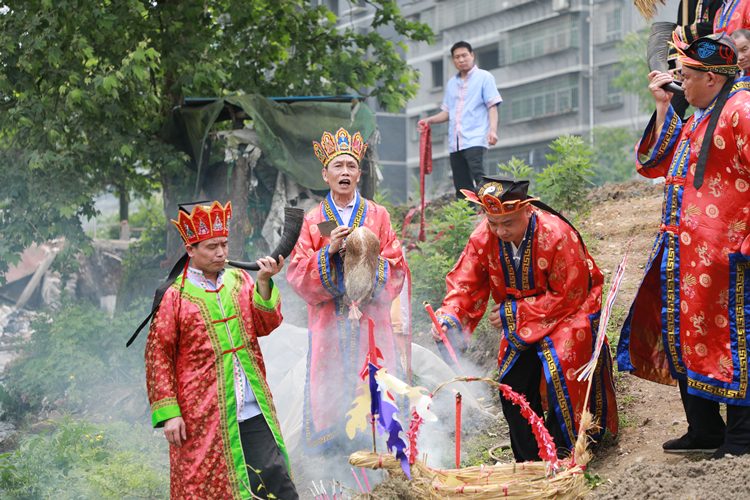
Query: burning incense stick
point(323, 488)
point(367, 483)
point(358, 483)
point(458, 430)
point(317, 493)
point(439, 328)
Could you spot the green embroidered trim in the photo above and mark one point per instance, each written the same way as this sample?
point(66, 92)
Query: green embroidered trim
point(160, 415)
point(162, 403)
point(225, 384)
point(252, 372)
point(269, 305)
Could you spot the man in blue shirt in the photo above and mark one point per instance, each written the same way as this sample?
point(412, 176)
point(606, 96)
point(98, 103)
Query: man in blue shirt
point(470, 106)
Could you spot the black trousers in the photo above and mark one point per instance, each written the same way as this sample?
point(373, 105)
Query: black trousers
point(263, 454)
point(524, 378)
point(468, 169)
point(707, 428)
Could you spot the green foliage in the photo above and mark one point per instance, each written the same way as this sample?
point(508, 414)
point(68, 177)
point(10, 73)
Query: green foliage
point(79, 460)
point(147, 212)
point(141, 266)
point(517, 169)
point(71, 355)
point(562, 185)
point(86, 87)
point(446, 239)
point(633, 66)
point(614, 156)
point(593, 479)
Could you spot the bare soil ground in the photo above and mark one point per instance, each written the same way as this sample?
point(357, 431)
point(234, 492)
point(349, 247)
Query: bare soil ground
point(633, 465)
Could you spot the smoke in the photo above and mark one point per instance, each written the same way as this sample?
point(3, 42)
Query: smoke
point(285, 352)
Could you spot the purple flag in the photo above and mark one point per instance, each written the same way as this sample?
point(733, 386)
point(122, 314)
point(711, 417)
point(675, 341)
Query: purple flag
point(387, 413)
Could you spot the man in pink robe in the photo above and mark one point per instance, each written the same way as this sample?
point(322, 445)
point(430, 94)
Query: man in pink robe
point(338, 346)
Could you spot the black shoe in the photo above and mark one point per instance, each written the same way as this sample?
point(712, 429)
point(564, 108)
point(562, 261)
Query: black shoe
point(685, 444)
point(731, 450)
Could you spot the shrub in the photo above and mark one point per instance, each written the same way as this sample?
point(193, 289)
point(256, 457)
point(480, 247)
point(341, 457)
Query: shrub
point(517, 169)
point(79, 460)
point(562, 185)
point(141, 266)
point(614, 155)
point(71, 355)
point(447, 237)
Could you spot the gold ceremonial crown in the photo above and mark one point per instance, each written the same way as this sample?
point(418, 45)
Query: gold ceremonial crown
point(204, 222)
point(331, 146)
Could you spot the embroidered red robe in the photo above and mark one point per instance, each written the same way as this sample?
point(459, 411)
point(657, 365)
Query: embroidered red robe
point(189, 373)
point(551, 304)
point(734, 15)
point(688, 318)
point(338, 348)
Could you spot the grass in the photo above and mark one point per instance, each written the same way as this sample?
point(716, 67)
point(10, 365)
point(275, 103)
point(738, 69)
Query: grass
point(627, 400)
point(627, 420)
point(476, 449)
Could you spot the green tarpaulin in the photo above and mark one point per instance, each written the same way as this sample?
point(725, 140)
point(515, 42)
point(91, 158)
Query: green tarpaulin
point(285, 130)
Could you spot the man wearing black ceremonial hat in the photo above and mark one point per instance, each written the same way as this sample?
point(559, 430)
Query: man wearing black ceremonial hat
point(687, 323)
point(548, 291)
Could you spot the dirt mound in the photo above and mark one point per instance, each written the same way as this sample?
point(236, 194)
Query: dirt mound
point(624, 191)
point(712, 479)
point(391, 489)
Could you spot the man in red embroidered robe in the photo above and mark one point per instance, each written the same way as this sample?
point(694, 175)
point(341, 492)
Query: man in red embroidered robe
point(547, 290)
point(687, 322)
point(205, 373)
point(338, 347)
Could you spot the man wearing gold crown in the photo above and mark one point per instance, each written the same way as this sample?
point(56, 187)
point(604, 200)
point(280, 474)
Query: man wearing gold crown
point(547, 290)
point(205, 373)
point(338, 348)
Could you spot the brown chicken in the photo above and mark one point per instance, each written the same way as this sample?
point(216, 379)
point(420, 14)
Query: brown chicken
point(360, 267)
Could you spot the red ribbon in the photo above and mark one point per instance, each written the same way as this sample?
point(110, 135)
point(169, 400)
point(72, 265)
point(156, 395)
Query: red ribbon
point(233, 350)
point(425, 167)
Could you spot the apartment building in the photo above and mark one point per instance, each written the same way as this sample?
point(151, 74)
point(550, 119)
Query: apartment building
point(553, 60)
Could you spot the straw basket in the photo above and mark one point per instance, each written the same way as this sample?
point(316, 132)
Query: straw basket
point(521, 481)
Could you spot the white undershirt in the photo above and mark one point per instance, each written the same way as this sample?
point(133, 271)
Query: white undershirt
point(516, 252)
point(346, 212)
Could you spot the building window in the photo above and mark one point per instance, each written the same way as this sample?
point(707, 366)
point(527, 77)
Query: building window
point(439, 130)
point(611, 27)
point(539, 39)
point(540, 99)
point(427, 17)
point(333, 6)
point(488, 57)
point(437, 73)
point(607, 93)
point(413, 130)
